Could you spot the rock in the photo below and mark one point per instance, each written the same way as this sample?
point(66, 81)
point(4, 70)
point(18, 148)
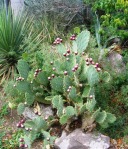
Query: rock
point(116, 62)
point(45, 111)
point(28, 113)
point(80, 140)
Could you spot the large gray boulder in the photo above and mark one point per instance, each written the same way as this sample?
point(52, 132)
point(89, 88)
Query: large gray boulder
point(80, 140)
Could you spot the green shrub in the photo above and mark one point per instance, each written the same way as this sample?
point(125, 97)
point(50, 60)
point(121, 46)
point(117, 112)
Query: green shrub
point(114, 97)
point(112, 17)
point(67, 82)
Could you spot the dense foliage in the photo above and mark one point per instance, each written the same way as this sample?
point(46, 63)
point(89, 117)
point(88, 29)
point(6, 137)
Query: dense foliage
point(112, 17)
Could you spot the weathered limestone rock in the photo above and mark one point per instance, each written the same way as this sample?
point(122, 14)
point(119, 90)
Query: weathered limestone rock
point(116, 62)
point(80, 140)
point(45, 111)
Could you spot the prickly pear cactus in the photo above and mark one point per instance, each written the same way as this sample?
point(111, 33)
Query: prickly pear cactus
point(66, 81)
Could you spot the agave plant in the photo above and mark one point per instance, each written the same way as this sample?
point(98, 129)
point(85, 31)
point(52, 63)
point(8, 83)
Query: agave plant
point(13, 32)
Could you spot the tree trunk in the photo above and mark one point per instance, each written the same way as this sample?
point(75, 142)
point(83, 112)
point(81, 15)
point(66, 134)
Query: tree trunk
point(17, 6)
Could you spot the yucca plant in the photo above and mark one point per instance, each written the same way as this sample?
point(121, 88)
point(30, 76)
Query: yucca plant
point(13, 32)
